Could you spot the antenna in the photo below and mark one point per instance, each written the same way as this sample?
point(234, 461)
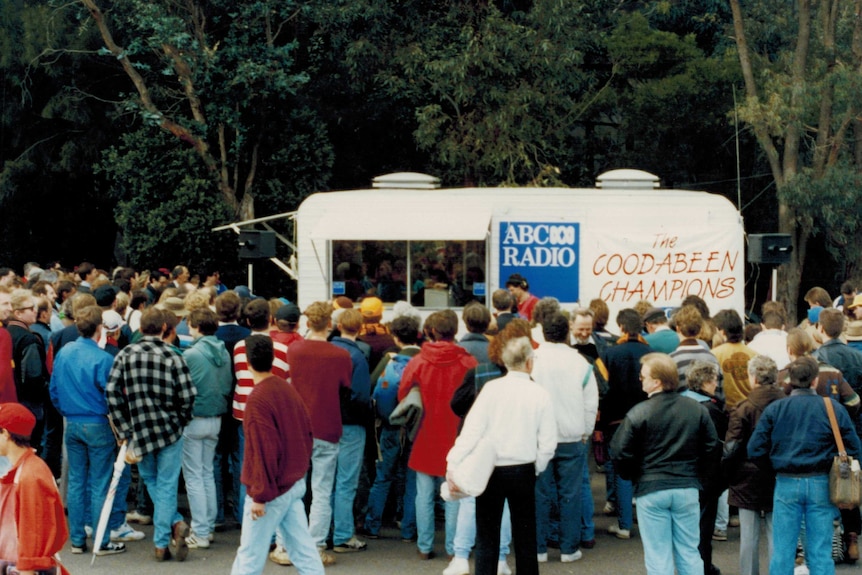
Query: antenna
point(736, 137)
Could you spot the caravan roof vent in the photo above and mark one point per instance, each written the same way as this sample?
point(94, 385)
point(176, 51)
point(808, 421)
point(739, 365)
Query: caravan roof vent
point(627, 180)
point(406, 180)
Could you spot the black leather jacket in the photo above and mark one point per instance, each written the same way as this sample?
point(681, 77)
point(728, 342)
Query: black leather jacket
point(666, 442)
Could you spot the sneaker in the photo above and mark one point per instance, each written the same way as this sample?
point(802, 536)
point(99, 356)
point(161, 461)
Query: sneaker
point(125, 533)
point(195, 542)
point(620, 533)
point(178, 546)
point(79, 549)
point(326, 558)
point(719, 535)
point(457, 566)
point(211, 537)
point(351, 545)
point(279, 556)
point(542, 557)
point(89, 531)
point(571, 557)
point(367, 534)
point(609, 508)
point(139, 518)
point(503, 568)
point(111, 548)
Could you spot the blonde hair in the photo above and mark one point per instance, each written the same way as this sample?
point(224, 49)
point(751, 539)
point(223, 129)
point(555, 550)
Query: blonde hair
point(319, 315)
point(198, 299)
point(662, 367)
point(350, 321)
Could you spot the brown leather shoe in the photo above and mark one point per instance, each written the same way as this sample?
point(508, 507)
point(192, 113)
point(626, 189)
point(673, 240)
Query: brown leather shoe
point(425, 556)
point(326, 558)
point(178, 546)
point(162, 554)
point(852, 547)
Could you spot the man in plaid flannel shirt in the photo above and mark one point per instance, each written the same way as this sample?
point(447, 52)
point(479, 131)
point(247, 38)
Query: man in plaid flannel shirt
point(150, 397)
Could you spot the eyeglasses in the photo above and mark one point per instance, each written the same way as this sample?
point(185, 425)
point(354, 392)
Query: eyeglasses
point(25, 308)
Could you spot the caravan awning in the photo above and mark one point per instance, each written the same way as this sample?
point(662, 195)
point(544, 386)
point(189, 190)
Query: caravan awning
point(382, 222)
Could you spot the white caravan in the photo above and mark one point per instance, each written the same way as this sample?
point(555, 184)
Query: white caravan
point(625, 240)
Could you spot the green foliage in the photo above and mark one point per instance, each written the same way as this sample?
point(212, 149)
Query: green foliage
point(493, 94)
point(50, 134)
point(828, 205)
point(165, 207)
point(671, 100)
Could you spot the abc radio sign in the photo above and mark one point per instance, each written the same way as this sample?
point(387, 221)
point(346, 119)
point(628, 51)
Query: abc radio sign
point(546, 254)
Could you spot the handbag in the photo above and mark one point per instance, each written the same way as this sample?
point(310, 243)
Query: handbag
point(845, 477)
point(600, 448)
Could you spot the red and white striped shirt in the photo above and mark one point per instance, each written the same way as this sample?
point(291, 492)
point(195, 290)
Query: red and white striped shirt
point(244, 380)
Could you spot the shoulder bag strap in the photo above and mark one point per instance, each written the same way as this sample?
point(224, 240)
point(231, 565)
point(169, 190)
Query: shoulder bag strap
point(832, 421)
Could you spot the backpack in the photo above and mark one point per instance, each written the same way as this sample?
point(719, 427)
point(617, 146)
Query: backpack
point(386, 391)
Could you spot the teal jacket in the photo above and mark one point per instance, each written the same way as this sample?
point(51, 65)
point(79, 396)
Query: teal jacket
point(211, 369)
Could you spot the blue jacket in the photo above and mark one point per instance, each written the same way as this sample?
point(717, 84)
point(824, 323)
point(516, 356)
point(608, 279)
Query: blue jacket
point(356, 411)
point(211, 369)
point(845, 359)
point(78, 382)
point(476, 345)
point(795, 436)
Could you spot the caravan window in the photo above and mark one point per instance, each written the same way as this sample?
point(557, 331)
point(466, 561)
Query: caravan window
point(440, 273)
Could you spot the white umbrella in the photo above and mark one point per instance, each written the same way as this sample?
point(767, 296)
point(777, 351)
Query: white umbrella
point(119, 465)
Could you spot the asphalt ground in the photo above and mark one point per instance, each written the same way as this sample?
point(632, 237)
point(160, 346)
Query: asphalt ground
point(390, 556)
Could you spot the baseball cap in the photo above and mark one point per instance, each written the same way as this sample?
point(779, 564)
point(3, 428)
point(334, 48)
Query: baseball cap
point(17, 419)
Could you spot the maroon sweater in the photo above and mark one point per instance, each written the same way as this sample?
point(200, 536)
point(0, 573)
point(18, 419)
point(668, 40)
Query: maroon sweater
point(318, 371)
point(277, 440)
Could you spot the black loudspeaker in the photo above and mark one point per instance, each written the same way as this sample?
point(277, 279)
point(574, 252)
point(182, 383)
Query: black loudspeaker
point(769, 248)
point(255, 245)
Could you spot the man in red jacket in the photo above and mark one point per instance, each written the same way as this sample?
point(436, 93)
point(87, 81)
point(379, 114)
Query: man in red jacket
point(278, 443)
point(32, 524)
point(438, 370)
point(7, 380)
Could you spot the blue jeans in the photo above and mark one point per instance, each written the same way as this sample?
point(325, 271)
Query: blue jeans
point(610, 482)
point(351, 448)
point(392, 463)
point(722, 517)
point(749, 540)
point(588, 527)
point(795, 499)
point(199, 443)
point(669, 523)
point(286, 513)
point(566, 470)
point(623, 492)
point(427, 490)
point(465, 531)
point(91, 448)
point(239, 487)
point(160, 471)
point(324, 457)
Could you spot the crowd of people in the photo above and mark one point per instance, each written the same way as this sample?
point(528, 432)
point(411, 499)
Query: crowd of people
point(311, 429)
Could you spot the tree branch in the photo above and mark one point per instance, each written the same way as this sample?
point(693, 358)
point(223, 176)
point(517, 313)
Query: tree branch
point(760, 130)
point(178, 130)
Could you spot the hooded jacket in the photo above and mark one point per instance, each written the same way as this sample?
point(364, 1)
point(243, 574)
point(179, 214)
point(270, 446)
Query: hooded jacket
point(751, 486)
point(438, 370)
point(210, 366)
